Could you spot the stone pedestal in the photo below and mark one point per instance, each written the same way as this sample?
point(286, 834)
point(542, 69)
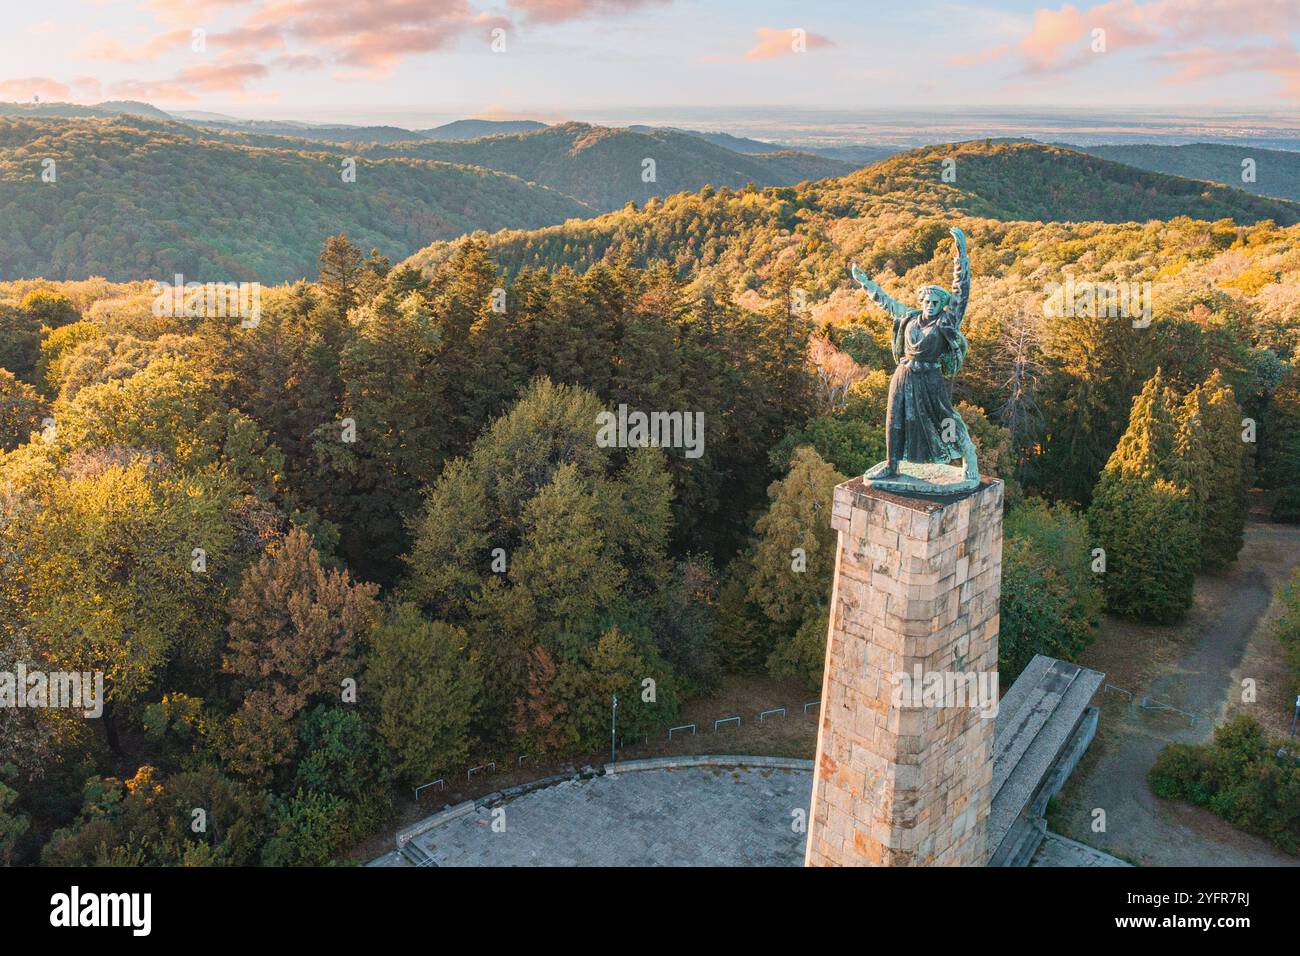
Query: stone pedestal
point(904, 773)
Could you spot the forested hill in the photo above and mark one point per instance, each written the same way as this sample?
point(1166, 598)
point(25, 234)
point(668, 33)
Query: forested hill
point(478, 128)
point(1276, 172)
point(136, 198)
point(889, 215)
point(107, 109)
point(606, 167)
point(1026, 181)
point(328, 133)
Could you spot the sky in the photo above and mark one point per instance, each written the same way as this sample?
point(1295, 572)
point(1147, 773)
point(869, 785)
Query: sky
point(549, 59)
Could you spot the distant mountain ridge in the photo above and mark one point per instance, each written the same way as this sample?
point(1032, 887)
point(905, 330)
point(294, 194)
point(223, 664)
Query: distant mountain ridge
point(121, 171)
point(464, 129)
point(1016, 179)
point(600, 167)
point(296, 129)
point(1273, 172)
point(137, 198)
point(329, 133)
point(892, 213)
point(606, 167)
point(855, 154)
point(107, 109)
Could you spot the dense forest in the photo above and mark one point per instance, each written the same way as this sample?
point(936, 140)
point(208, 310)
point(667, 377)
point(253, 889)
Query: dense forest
point(1269, 172)
point(882, 210)
point(130, 197)
point(606, 168)
point(373, 535)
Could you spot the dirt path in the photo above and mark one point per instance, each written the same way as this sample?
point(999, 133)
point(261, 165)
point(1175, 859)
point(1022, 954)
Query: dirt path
point(1190, 669)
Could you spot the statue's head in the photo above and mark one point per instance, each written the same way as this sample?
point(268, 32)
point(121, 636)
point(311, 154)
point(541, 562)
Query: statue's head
point(932, 299)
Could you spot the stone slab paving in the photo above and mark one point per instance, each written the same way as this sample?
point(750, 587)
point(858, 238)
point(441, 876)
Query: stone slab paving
point(688, 816)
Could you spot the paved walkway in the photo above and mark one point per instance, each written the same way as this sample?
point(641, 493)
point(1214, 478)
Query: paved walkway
point(693, 816)
point(1140, 825)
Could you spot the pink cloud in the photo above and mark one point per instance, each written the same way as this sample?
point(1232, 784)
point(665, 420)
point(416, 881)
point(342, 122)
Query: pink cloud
point(190, 11)
point(160, 91)
point(374, 36)
point(558, 11)
point(31, 86)
point(221, 77)
point(987, 55)
point(229, 77)
point(1060, 38)
point(772, 43)
point(1281, 60)
point(102, 47)
point(298, 61)
point(1202, 18)
point(248, 39)
point(369, 38)
point(86, 88)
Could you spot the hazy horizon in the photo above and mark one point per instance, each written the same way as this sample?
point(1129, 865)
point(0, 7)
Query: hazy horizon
point(900, 127)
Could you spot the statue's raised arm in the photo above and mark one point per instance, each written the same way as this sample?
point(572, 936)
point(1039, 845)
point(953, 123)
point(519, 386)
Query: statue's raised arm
point(878, 295)
point(923, 432)
point(960, 276)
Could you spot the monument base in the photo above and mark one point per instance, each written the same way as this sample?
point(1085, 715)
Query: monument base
point(914, 479)
point(904, 775)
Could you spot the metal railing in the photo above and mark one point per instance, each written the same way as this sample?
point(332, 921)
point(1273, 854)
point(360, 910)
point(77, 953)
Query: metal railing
point(431, 783)
point(491, 766)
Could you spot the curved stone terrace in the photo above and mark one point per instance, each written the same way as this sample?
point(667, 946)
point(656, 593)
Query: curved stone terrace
point(690, 811)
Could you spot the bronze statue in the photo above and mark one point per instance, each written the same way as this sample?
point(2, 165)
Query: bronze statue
point(923, 432)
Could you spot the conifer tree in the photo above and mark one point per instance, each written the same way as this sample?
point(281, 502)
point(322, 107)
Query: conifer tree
point(792, 563)
point(1279, 446)
point(1211, 441)
point(618, 666)
point(297, 631)
point(1145, 517)
point(742, 635)
point(795, 553)
point(539, 715)
point(425, 687)
point(1097, 364)
point(341, 266)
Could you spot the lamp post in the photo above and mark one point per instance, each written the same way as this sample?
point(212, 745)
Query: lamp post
point(613, 726)
point(1295, 715)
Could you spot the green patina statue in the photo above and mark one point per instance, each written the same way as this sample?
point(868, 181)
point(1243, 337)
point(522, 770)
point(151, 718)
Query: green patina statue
point(923, 432)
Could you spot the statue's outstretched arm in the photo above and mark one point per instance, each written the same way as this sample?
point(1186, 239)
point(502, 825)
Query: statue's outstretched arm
point(878, 295)
point(960, 276)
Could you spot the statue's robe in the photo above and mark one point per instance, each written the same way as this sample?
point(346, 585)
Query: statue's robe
point(920, 398)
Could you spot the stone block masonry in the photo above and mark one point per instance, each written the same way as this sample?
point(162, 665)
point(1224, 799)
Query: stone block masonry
point(901, 781)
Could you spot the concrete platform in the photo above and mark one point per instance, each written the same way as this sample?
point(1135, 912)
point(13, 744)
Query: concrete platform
point(746, 811)
point(663, 814)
